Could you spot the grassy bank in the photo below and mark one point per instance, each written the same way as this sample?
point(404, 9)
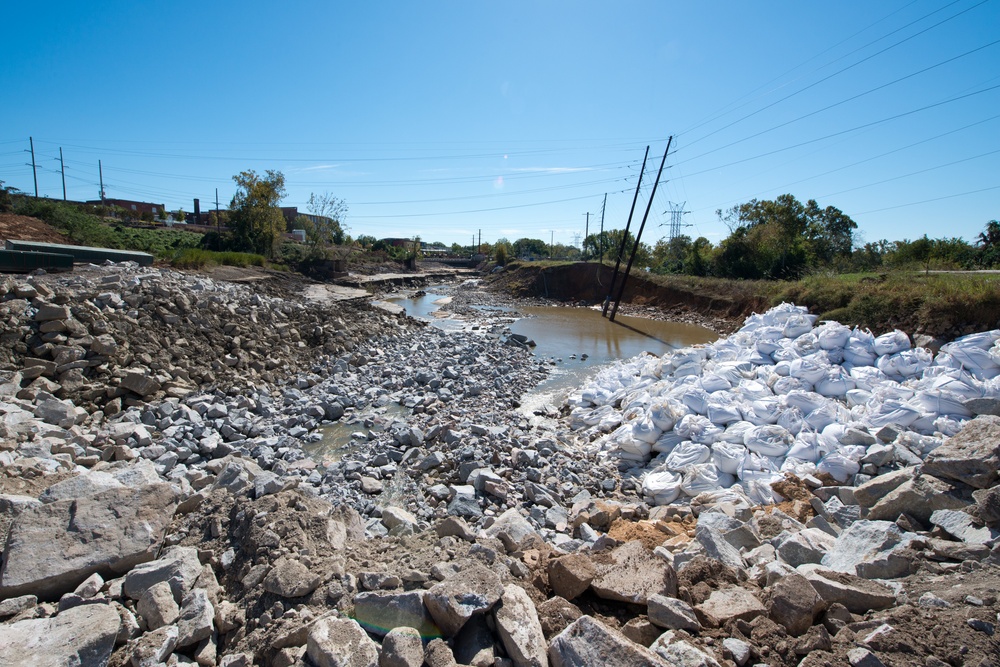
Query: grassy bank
point(196, 258)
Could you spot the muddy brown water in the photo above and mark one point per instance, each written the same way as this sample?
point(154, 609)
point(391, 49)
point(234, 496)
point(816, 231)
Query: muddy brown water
point(579, 341)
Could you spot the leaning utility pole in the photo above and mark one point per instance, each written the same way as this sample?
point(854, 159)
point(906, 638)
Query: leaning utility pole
point(218, 217)
point(62, 168)
point(621, 247)
point(638, 236)
point(602, 227)
point(100, 173)
point(34, 169)
point(586, 232)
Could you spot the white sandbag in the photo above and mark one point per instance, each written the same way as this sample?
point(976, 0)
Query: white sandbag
point(796, 325)
point(734, 432)
point(712, 382)
point(838, 466)
point(806, 344)
point(646, 431)
point(868, 377)
point(806, 401)
point(665, 413)
point(785, 353)
point(832, 335)
point(941, 402)
point(705, 477)
point(857, 397)
point(808, 369)
point(686, 454)
point(976, 360)
point(921, 444)
point(723, 410)
point(905, 364)
point(948, 426)
point(788, 384)
point(728, 456)
point(760, 359)
point(696, 400)
point(769, 439)
point(891, 343)
point(751, 390)
point(891, 411)
point(764, 411)
point(662, 487)
point(798, 467)
point(984, 340)
point(791, 420)
point(856, 354)
point(810, 446)
point(698, 429)
point(667, 442)
point(823, 416)
point(954, 382)
point(757, 486)
point(836, 383)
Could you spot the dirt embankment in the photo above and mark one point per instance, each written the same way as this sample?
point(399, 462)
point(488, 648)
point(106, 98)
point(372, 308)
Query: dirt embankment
point(23, 228)
point(590, 282)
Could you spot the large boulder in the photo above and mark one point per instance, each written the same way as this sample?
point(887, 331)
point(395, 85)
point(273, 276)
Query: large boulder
point(53, 548)
point(587, 642)
point(379, 613)
point(83, 635)
point(340, 642)
point(452, 602)
point(519, 628)
point(632, 574)
point(972, 456)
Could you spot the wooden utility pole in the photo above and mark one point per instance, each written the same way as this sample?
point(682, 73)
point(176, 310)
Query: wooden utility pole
point(586, 232)
point(62, 168)
point(34, 168)
point(601, 238)
point(638, 236)
point(621, 247)
point(100, 173)
point(218, 217)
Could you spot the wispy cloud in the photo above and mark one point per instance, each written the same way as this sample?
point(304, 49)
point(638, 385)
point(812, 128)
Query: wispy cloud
point(318, 167)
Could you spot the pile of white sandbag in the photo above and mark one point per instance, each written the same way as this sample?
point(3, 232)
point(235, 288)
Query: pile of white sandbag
point(783, 395)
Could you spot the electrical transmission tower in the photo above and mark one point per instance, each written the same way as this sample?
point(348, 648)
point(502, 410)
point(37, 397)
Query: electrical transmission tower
point(676, 212)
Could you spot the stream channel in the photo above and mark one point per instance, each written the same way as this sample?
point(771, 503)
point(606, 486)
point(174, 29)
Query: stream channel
point(579, 341)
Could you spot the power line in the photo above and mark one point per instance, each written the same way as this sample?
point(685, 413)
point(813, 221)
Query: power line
point(927, 201)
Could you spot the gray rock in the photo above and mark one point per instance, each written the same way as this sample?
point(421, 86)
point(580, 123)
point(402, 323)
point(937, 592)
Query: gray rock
point(52, 548)
point(804, 546)
point(513, 524)
point(862, 657)
point(475, 644)
point(439, 654)
point(587, 642)
point(196, 619)
point(633, 575)
point(339, 642)
point(716, 546)
point(177, 566)
point(571, 575)
point(140, 383)
point(402, 647)
point(13, 606)
point(738, 649)
point(672, 614)
point(157, 606)
point(729, 604)
point(960, 525)
point(154, 648)
point(681, 653)
point(86, 484)
point(793, 603)
point(873, 490)
point(379, 613)
point(473, 590)
point(454, 526)
point(972, 456)
point(987, 505)
point(397, 516)
point(919, 498)
point(858, 595)
point(289, 578)
point(519, 628)
point(59, 413)
point(79, 636)
point(871, 549)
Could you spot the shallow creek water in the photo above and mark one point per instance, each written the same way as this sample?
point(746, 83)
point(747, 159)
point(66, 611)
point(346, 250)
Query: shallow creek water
point(579, 340)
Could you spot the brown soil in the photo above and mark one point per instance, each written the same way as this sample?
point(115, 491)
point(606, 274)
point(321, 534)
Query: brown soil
point(23, 228)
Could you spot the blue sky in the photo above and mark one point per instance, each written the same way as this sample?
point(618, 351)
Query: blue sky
point(441, 119)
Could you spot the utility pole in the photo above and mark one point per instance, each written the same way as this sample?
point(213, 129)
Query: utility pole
point(34, 169)
point(621, 247)
point(218, 218)
point(586, 232)
point(602, 226)
point(635, 247)
point(62, 168)
point(552, 236)
point(480, 247)
point(100, 172)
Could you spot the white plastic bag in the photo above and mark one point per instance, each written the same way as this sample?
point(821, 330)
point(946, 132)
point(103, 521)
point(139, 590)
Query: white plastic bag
point(769, 440)
point(891, 343)
point(686, 454)
point(662, 488)
point(728, 456)
point(697, 428)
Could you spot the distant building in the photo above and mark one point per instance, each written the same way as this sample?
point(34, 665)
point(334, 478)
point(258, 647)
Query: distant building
point(292, 212)
point(138, 207)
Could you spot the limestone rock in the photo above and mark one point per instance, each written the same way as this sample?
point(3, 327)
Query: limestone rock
point(177, 566)
point(858, 595)
point(555, 615)
point(157, 606)
point(728, 604)
point(794, 604)
point(633, 574)
point(402, 647)
point(52, 548)
point(379, 613)
point(672, 614)
point(453, 601)
point(196, 618)
point(519, 628)
point(960, 525)
point(873, 490)
point(682, 653)
point(340, 642)
point(972, 456)
point(870, 549)
point(919, 498)
point(588, 642)
point(82, 635)
point(154, 648)
point(289, 578)
point(571, 575)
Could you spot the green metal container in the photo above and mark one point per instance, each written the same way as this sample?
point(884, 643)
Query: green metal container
point(83, 253)
point(19, 261)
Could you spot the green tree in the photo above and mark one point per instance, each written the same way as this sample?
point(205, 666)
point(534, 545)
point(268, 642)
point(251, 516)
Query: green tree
point(6, 201)
point(697, 259)
point(988, 244)
point(365, 240)
point(330, 228)
point(530, 248)
point(257, 221)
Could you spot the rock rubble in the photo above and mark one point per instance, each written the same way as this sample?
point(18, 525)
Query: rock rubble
point(320, 487)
